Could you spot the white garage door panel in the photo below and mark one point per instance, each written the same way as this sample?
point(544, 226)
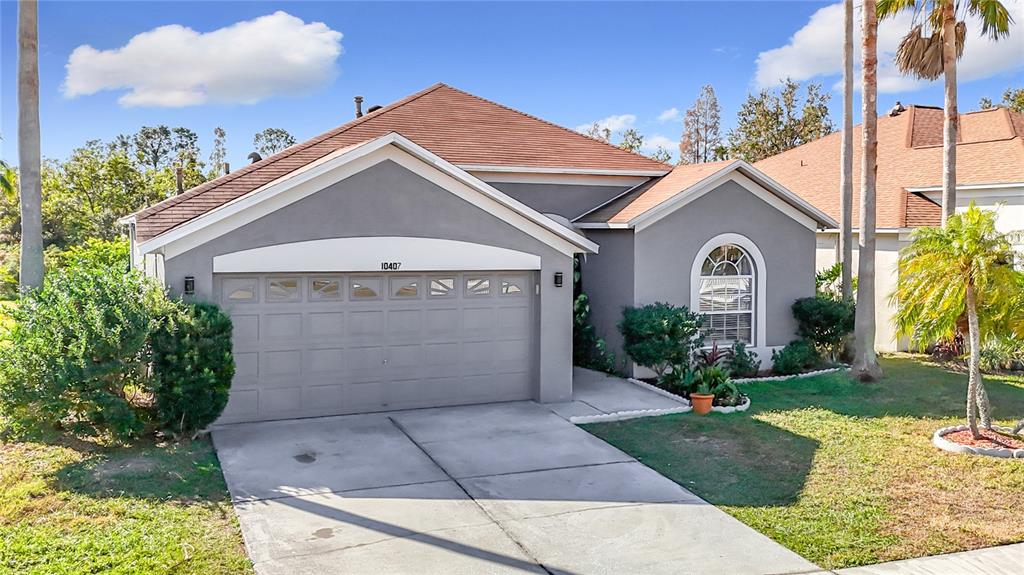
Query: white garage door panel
point(322, 344)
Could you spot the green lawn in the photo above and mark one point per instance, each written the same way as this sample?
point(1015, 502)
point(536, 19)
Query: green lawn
point(841, 472)
point(75, 507)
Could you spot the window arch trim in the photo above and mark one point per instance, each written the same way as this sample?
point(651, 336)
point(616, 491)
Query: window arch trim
point(759, 332)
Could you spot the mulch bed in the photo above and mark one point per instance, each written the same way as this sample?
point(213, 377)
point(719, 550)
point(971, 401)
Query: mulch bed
point(990, 439)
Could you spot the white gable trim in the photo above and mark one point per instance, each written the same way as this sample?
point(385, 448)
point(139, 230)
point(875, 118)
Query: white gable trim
point(760, 281)
point(302, 183)
point(754, 181)
point(364, 254)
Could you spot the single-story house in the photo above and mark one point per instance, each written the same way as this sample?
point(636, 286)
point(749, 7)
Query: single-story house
point(422, 255)
point(990, 172)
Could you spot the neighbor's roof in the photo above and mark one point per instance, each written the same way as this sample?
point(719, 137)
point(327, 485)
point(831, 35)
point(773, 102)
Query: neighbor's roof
point(464, 129)
point(990, 150)
point(689, 178)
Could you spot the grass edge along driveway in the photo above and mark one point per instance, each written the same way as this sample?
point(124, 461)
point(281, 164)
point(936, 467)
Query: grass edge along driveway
point(842, 472)
point(70, 507)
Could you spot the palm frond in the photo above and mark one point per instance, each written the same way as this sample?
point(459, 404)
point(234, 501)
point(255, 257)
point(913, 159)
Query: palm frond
point(995, 18)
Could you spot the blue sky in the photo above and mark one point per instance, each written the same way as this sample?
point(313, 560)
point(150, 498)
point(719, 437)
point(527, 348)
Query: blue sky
point(571, 63)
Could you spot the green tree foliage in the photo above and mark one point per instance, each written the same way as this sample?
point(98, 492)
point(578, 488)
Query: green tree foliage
point(660, 335)
point(219, 155)
point(825, 322)
point(964, 268)
point(632, 141)
point(192, 367)
point(271, 141)
point(661, 155)
point(153, 146)
point(771, 122)
point(76, 352)
point(1013, 98)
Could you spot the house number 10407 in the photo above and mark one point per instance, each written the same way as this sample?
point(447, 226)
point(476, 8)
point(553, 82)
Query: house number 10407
point(390, 266)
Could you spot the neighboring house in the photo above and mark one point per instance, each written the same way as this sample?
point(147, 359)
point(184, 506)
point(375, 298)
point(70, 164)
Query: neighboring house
point(422, 255)
point(990, 172)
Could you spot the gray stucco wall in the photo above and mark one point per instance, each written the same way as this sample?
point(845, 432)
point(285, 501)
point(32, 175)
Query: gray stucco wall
point(665, 252)
point(566, 200)
point(608, 280)
point(388, 200)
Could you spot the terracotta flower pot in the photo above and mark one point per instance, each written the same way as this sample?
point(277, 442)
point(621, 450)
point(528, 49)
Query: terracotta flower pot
point(701, 403)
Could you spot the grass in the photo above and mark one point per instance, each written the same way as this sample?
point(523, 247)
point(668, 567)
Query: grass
point(70, 507)
point(842, 472)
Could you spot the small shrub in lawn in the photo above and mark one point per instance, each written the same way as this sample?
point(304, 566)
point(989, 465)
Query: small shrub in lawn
point(797, 357)
point(76, 352)
point(660, 335)
point(742, 363)
point(825, 322)
point(192, 367)
point(1002, 353)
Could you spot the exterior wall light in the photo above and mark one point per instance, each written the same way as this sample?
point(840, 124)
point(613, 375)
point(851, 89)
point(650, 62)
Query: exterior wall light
point(558, 279)
point(190, 285)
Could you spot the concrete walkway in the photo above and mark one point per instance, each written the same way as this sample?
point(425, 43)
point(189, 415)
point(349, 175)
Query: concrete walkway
point(596, 393)
point(485, 489)
point(1005, 560)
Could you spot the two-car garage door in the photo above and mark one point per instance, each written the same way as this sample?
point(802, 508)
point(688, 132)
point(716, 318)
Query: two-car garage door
point(323, 344)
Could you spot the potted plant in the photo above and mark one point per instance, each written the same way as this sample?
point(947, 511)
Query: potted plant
point(701, 398)
point(708, 381)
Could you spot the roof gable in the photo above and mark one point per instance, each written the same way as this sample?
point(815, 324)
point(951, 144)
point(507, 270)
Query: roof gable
point(464, 129)
point(302, 183)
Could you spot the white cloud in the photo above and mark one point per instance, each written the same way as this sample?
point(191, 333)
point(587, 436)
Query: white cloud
point(652, 143)
point(670, 115)
point(816, 50)
point(175, 66)
point(616, 123)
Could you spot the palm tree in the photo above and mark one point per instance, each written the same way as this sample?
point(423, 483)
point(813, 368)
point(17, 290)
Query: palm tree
point(965, 266)
point(931, 49)
point(846, 162)
point(28, 145)
point(865, 362)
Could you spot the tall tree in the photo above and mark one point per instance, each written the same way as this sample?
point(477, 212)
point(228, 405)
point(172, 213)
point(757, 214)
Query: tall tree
point(271, 141)
point(153, 145)
point(701, 129)
point(931, 49)
point(770, 123)
point(1013, 98)
point(865, 362)
point(28, 146)
point(965, 266)
point(219, 154)
point(632, 141)
point(846, 158)
point(185, 144)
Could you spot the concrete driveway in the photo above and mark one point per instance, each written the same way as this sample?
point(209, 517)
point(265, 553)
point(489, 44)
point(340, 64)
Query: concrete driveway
point(500, 488)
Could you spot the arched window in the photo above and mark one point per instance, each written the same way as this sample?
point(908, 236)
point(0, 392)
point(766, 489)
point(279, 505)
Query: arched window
point(726, 295)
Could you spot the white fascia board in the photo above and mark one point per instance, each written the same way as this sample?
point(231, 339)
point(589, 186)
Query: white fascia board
point(575, 171)
point(710, 183)
point(303, 183)
point(967, 187)
point(601, 226)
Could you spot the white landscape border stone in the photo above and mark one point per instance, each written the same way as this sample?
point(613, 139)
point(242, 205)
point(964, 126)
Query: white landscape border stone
point(716, 409)
point(788, 377)
point(939, 440)
point(624, 415)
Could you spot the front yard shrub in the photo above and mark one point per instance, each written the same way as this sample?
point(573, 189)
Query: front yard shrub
point(192, 367)
point(797, 357)
point(588, 350)
point(742, 363)
point(1002, 353)
point(75, 355)
point(825, 322)
point(660, 335)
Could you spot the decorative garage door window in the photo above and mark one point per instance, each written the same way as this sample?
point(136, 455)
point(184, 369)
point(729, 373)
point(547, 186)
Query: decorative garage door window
point(727, 295)
point(442, 287)
point(366, 288)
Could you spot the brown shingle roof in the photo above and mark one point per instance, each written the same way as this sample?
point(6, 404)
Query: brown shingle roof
point(990, 150)
point(678, 180)
point(461, 128)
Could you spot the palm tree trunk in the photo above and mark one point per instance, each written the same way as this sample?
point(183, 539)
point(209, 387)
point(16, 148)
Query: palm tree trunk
point(951, 123)
point(28, 146)
point(846, 162)
point(974, 370)
point(865, 362)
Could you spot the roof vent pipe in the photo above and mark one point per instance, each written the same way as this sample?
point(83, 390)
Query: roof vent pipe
point(179, 178)
point(227, 168)
point(373, 109)
point(897, 109)
point(254, 157)
point(359, 106)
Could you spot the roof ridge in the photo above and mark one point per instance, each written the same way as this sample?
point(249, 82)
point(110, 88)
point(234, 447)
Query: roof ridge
point(287, 152)
point(550, 123)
